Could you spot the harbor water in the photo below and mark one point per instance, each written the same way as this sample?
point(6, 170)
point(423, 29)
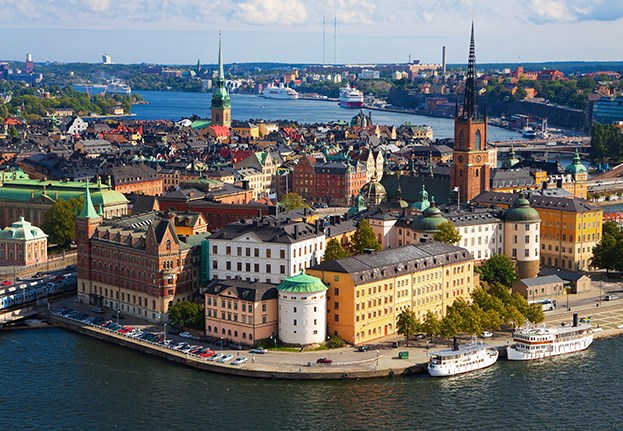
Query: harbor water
point(57, 380)
point(178, 105)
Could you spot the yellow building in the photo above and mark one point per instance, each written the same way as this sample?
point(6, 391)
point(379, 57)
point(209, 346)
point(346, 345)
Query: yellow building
point(367, 292)
point(570, 228)
point(246, 130)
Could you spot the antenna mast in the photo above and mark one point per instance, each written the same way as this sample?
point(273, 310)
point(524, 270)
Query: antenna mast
point(334, 39)
point(323, 39)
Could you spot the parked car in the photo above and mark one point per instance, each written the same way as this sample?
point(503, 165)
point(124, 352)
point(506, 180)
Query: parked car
point(611, 297)
point(239, 361)
point(236, 346)
point(396, 344)
point(258, 350)
point(226, 358)
point(324, 361)
point(98, 310)
point(487, 334)
point(207, 353)
point(216, 357)
point(7, 283)
point(364, 348)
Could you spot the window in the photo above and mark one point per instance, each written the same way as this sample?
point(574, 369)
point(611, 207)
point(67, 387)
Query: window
point(336, 317)
point(527, 253)
point(268, 253)
point(282, 269)
point(282, 254)
point(527, 239)
point(239, 266)
point(228, 250)
point(256, 252)
point(336, 291)
point(336, 305)
point(247, 251)
point(214, 249)
point(268, 268)
point(294, 322)
point(168, 245)
point(514, 252)
point(214, 264)
point(263, 307)
point(228, 265)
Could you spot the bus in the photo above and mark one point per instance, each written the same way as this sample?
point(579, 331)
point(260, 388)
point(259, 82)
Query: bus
point(546, 304)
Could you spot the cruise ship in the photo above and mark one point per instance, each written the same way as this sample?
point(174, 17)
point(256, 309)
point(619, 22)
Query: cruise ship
point(542, 342)
point(118, 87)
point(350, 97)
point(281, 92)
point(461, 359)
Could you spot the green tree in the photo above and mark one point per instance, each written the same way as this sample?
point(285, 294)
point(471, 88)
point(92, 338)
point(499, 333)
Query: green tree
point(450, 325)
point(608, 253)
point(363, 239)
point(407, 324)
point(58, 222)
point(498, 269)
point(431, 324)
point(447, 233)
point(334, 251)
point(185, 314)
point(291, 201)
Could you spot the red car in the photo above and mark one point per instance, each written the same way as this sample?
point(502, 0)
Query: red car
point(7, 283)
point(324, 361)
point(207, 353)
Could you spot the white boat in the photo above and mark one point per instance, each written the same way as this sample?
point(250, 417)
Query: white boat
point(350, 97)
point(528, 132)
point(543, 342)
point(118, 87)
point(461, 359)
point(281, 92)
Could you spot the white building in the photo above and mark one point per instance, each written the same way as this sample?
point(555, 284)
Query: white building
point(264, 250)
point(302, 310)
point(76, 126)
point(522, 237)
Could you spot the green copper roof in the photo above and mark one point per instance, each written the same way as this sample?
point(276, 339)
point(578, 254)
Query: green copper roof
point(430, 219)
point(511, 159)
point(22, 229)
point(422, 203)
point(88, 210)
point(302, 283)
point(521, 211)
point(576, 166)
point(220, 97)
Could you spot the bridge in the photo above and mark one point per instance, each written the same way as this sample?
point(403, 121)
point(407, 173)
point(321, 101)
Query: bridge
point(32, 309)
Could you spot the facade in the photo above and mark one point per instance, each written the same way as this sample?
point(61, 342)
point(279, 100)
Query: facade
point(32, 199)
point(522, 238)
point(134, 265)
point(471, 171)
point(302, 310)
point(221, 103)
point(264, 249)
point(266, 164)
point(367, 292)
point(240, 311)
point(23, 244)
point(139, 179)
point(549, 286)
point(569, 229)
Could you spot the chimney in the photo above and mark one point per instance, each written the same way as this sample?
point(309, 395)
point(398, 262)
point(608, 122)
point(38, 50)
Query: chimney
point(575, 319)
point(455, 344)
point(296, 230)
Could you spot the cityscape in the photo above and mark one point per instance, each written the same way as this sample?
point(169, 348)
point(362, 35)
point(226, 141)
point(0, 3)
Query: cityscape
point(342, 245)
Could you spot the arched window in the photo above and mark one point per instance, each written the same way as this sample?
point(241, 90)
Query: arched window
point(462, 139)
point(477, 140)
point(168, 245)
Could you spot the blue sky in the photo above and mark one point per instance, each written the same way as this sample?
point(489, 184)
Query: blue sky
point(368, 31)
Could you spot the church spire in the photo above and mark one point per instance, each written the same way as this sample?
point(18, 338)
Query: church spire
point(221, 75)
point(470, 109)
point(88, 210)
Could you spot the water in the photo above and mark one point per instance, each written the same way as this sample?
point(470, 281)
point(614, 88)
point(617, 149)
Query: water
point(57, 380)
point(177, 105)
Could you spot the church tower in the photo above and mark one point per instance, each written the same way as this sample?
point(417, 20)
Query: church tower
point(85, 224)
point(221, 104)
point(471, 171)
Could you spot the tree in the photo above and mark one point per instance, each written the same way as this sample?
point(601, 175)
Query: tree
point(334, 251)
point(407, 324)
point(185, 314)
point(363, 239)
point(608, 253)
point(58, 222)
point(498, 269)
point(447, 233)
point(291, 201)
point(431, 324)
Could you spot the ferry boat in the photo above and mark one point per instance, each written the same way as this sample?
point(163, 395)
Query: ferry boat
point(542, 342)
point(461, 359)
point(350, 97)
point(118, 87)
point(281, 92)
point(528, 132)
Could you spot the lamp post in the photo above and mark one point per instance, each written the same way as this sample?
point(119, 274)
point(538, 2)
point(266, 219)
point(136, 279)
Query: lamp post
point(221, 344)
point(601, 291)
point(118, 312)
point(165, 332)
point(567, 289)
point(377, 358)
point(75, 304)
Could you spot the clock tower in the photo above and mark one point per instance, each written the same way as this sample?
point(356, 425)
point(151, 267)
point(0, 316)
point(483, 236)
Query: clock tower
point(470, 171)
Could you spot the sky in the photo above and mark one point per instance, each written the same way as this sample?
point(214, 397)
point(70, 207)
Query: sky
point(291, 31)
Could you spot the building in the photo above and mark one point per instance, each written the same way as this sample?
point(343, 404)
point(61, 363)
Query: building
point(569, 229)
point(135, 265)
point(266, 250)
point(302, 310)
point(470, 172)
point(264, 162)
point(221, 103)
point(32, 199)
point(140, 179)
point(521, 237)
point(367, 292)
point(23, 244)
point(548, 286)
point(240, 311)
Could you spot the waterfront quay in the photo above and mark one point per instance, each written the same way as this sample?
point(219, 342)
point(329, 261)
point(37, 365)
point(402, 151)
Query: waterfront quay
point(380, 360)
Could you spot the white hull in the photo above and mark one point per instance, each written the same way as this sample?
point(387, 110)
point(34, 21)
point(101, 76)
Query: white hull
point(514, 352)
point(477, 360)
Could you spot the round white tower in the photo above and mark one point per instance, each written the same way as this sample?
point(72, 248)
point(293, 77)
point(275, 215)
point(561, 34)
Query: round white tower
point(522, 237)
point(302, 310)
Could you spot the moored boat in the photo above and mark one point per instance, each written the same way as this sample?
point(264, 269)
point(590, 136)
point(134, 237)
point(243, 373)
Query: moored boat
point(281, 92)
point(461, 359)
point(350, 97)
point(543, 341)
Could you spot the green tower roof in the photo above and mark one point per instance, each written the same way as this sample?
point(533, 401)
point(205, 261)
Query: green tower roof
point(576, 166)
point(521, 211)
point(220, 97)
point(430, 219)
point(88, 210)
point(302, 283)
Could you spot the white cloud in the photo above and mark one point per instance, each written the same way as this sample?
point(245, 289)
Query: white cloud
point(353, 11)
point(284, 12)
point(564, 11)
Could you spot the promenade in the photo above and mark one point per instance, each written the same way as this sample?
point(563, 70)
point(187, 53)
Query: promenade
point(382, 360)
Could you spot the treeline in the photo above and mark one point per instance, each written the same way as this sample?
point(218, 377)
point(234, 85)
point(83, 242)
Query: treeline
point(606, 143)
point(29, 103)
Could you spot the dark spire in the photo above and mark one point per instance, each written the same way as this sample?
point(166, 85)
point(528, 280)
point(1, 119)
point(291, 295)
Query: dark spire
point(469, 104)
